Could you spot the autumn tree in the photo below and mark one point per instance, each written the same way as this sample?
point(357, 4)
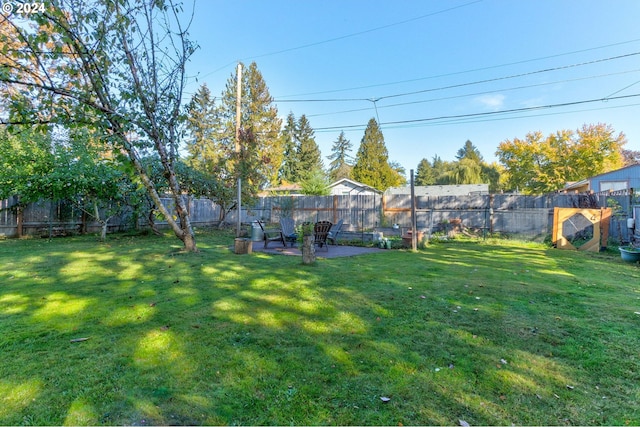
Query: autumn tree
point(631, 157)
point(118, 66)
point(539, 164)
point(400, 172)
point(372, 160)
point(341, 161)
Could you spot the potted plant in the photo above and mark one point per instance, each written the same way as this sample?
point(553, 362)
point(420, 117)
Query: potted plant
point(629, 253)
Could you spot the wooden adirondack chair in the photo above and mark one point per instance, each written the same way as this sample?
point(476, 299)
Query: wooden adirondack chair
point(321, 232)
point(271, 235)
point(288, 227)
point(335, 230)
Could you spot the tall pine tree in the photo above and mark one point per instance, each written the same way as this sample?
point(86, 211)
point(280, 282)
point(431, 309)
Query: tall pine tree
point(201, 124)
point(372, 160)
point(340, 166)
point(288, 167)
point(424, 173)
point(301, 152)
point(259, 121)
point(308, 155)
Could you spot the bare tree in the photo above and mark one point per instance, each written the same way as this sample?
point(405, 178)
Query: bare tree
point(115, 65)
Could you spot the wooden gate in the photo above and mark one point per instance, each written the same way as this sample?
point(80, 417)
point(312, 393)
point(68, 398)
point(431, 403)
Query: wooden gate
point(581, 229)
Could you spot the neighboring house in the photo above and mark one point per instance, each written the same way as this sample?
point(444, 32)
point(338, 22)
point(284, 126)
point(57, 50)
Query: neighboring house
point(282, 190)
point(441, 190)
point(620, 179)
point(348, 187)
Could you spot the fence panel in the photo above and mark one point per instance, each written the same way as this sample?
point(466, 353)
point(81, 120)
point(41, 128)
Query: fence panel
point(505, 213)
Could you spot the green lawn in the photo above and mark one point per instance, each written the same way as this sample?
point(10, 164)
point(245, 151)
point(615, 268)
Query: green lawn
point(494, 332)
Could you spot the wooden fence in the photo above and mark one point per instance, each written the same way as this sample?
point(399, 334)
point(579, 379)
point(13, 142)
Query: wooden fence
point(529, 216)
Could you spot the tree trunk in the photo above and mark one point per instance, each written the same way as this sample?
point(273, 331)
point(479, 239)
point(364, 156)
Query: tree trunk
point(183, 230)
point(19, 220)
point(308, 250)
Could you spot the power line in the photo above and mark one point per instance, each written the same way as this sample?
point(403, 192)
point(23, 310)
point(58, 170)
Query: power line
point(445, 98)
point(489, 113)
point(624, 88)
point(495, 79)
point(474, 70)
point(346, 36)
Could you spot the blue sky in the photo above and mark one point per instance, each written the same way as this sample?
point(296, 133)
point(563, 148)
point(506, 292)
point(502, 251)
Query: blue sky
point(440, 72)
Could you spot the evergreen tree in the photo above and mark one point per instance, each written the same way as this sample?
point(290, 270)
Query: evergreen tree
point(316, 184)
point(340, 166)
point(261, 125)
point(372, 160)
point(425, 174)
point(201, 124)
point(471, 152)
point(288, 168)
point(308, 155)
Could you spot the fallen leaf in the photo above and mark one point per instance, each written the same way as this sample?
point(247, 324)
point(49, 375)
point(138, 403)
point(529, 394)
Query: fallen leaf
point(164, 328)
point(385, 399)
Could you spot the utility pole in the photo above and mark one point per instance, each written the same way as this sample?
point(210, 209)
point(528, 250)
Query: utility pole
point(237, 150)
point(414, 225)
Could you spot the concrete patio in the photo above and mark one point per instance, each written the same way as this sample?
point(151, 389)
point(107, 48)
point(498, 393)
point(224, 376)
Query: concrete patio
point(333, 252)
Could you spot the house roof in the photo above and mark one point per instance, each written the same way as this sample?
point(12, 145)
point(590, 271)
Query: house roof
point(282, 189)
point(354, 184)
point(441, 190)
point(586, 183)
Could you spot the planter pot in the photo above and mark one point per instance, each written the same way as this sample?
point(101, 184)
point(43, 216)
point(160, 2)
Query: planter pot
point(630, 254)
point(243, 246)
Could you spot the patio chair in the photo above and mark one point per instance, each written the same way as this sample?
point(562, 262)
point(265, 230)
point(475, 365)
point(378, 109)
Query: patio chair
point(288, 227)
point(333, 233)
point(321, 232)
point(271, 235)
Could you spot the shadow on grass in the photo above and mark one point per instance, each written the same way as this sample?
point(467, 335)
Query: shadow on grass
point(491, 334)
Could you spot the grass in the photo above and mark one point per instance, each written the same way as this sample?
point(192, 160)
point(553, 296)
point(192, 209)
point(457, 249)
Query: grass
point(494, 332)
